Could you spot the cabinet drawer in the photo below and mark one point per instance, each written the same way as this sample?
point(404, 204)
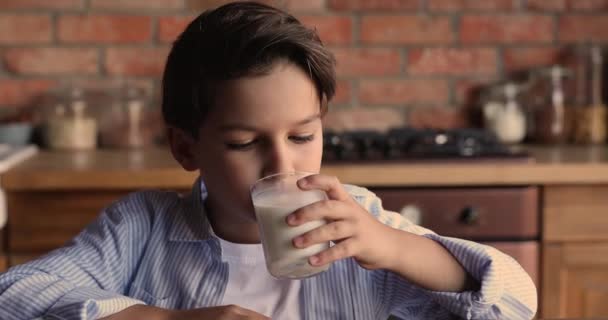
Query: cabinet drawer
point(575, 280)
point(575, 213)
point(3, 263)
point(472, 213)
point(41, 221)
point(14, 260)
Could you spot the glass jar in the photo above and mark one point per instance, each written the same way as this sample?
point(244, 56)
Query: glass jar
point(503, 114)
point(70, 124)
point(589, 120)
point(129, 121)
point(552, 114)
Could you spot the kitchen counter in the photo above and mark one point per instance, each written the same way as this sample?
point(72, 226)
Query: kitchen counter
point(150, 168)
point(557, 198)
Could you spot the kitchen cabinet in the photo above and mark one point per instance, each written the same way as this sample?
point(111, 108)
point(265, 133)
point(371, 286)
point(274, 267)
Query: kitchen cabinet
point(575, 280)
point(503, 217)
point(575, 252)
point(3, 255)
point(42, 221)
point(3, 263)
point(52, 196)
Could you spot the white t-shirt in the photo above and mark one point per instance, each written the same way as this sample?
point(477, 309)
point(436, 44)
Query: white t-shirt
point(251, 286)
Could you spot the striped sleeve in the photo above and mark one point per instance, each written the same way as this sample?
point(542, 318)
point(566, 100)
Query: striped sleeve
point(85, 279)
point(506, 290)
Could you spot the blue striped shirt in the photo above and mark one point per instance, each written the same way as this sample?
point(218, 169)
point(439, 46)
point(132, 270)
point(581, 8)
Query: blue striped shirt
point(155, 248)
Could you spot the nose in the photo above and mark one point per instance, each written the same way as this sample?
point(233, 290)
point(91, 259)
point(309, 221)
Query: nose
point(278, 158)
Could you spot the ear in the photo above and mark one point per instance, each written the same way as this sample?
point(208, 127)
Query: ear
point(182, 147)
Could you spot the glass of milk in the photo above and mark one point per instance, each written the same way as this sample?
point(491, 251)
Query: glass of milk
point(274, 198)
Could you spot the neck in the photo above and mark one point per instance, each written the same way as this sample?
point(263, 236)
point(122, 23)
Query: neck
point(236, 230)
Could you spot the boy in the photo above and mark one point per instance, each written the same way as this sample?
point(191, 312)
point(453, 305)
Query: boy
point(244, 91)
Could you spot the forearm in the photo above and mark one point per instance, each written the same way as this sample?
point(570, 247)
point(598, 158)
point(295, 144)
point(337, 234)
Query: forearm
point(30, 293)
point(428, 264)
point(140, 311)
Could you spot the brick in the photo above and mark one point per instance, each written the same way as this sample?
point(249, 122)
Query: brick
point(210, 4)
point(331, 29)
point(367, 61)
point(25, 28)
point(452, 61)
point(137, 4)
point(588, 5)
point(462, 5)
point(524, 58)
point(288, 5)
point(109, 84)
point(467, 90)
point(104, 28)
point(343, 92)
point(41, 4)
point(374, 4)
point(19, 93)
point(437, 118)
point(136, 61)
point(172, 26)
point(576, 28)
point(406, 29)
point(308, 5)
point(51, 60)
point(506, 29)
point(403, 91)
point(362, 118)
point(546, 5)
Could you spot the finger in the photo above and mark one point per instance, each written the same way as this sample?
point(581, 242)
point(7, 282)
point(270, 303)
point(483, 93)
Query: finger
point(333, 231)
point(329, 210)
point(342, 250)
point(330, 184)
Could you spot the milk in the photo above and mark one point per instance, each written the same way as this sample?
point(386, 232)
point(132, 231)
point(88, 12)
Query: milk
point(283, 260)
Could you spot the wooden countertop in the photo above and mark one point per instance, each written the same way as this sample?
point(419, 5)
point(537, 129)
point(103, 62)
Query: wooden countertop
point(150, 168)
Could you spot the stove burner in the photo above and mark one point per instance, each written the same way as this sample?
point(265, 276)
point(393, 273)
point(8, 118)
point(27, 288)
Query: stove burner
point(412, 144)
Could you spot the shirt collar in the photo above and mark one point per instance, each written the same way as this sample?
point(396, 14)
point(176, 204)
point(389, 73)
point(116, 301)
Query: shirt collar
point(190, 223)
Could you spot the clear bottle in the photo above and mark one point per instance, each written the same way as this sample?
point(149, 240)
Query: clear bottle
point(552, 114)
point(126, 123)
point(590, 117)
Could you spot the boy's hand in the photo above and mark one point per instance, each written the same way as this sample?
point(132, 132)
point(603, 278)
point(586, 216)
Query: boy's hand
point(230, 312)
point(355, 232)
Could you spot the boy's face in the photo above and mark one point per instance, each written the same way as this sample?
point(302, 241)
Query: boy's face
point(258, 126)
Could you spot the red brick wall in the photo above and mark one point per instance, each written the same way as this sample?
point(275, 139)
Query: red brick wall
point(420, 56)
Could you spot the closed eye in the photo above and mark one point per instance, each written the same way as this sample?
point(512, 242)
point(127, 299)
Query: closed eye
point(240, 146)
point(248, 145)
point(302, 139)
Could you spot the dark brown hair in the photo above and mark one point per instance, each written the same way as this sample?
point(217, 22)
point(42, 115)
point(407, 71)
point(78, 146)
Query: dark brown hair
point(236, 40)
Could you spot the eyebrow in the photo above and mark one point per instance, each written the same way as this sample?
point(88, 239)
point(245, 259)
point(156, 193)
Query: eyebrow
point(238, 126)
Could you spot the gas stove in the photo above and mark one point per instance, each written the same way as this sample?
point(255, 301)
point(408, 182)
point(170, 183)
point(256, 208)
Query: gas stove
point(408, 144)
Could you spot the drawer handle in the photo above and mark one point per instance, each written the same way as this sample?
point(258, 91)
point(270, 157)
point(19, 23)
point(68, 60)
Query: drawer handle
point(469, 215)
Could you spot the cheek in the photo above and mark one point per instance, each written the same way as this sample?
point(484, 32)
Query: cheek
point(309, 157)
point(230, 181)
point(228, 170)
point(239, 166)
